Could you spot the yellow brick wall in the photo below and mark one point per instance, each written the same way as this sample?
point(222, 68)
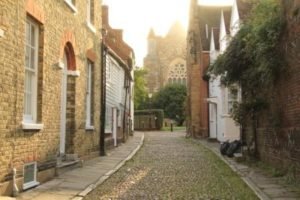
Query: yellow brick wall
point(58, 20)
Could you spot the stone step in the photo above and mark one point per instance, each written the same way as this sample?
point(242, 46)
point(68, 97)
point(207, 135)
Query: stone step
point(66, 163)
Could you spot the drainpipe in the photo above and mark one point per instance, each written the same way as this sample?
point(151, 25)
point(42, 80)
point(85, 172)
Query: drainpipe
point(125, 107)
point(15, 186)
point(103, 94)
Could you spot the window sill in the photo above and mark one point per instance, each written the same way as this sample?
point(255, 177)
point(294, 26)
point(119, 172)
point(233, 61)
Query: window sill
point(32, 126)
point(30, 185)
point(91, 27)
point(73, 8)
point(73, 73)
point(226, 116)
point(89, 128)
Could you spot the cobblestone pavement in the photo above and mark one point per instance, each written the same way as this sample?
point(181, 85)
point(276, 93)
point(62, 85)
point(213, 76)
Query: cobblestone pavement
point(169, 166)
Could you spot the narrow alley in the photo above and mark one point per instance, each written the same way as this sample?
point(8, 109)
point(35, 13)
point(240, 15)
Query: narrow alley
point(169, 166)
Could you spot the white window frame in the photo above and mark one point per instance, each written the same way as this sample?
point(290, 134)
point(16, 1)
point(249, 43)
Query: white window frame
point(89, 94)
point(71, 5)
point(230, 99)
point(30, 120)
point(89, 23)
point(34, 182)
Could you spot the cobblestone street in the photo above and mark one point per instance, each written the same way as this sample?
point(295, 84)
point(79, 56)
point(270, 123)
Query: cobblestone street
point(169, 166)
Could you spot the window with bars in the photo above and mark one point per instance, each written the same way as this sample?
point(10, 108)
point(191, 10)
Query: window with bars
point(31, 72)
point(90, 95)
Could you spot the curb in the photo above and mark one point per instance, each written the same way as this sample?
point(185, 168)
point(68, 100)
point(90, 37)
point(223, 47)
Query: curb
point(92, 186)
point(258, 192)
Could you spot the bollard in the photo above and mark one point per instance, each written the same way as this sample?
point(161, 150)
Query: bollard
point(171, 127)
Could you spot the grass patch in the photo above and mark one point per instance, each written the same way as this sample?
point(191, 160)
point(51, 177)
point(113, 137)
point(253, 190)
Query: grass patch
point(175, 128)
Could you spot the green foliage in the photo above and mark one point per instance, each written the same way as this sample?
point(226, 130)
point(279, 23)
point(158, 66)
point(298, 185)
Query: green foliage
point(140, 93)
point(253, 59)
point(171, 99)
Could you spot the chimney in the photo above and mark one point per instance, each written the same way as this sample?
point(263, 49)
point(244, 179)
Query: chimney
point(105, 19)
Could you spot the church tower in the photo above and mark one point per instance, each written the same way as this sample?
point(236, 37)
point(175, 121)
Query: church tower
point(166, 58)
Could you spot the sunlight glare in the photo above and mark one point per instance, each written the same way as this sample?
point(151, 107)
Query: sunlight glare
point(136, 17)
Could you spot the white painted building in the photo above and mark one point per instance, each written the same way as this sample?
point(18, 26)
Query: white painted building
point(221, 99)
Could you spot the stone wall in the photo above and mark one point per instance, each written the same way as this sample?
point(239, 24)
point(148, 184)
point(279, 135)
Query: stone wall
point(58, 25)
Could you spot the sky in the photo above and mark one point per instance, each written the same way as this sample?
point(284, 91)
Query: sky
point(136, 17)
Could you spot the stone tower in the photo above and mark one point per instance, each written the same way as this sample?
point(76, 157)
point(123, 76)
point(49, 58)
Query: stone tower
point(166, 58)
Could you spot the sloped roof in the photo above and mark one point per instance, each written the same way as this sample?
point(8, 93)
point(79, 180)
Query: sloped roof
point(210, 16)
point(216, 31)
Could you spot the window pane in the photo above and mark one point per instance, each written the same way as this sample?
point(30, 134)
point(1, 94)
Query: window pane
point(28, 93)
point(92, 94)
point(33, 36)
point(32, 59)
point(27, 33)
point(27, 56)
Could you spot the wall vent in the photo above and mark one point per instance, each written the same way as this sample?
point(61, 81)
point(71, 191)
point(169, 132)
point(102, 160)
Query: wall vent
point(29, 174)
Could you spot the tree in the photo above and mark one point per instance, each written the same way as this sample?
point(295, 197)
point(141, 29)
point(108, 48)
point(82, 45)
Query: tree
point(171, 99)
point(140, 93)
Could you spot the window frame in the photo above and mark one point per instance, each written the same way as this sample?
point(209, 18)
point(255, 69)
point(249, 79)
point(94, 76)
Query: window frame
point(31, 118)
point(230, 99)
point(90, 95)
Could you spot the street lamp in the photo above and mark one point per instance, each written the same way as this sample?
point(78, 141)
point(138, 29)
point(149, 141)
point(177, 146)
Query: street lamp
point(103, 93)
point(149, 107)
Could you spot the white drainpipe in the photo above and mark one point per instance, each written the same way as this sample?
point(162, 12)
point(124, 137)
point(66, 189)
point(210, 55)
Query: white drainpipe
point(15, 187)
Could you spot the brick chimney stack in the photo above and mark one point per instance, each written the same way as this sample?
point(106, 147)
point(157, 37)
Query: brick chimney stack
point(105, 19)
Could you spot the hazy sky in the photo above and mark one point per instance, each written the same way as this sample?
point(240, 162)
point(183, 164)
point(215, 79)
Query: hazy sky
point(136, 17)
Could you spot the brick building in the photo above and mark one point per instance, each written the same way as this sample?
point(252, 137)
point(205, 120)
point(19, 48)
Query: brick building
point(50, 80)
point(209, 103)
point(202, 19)
point(166, 58)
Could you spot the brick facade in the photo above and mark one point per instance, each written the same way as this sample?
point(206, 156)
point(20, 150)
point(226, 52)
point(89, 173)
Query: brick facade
point(59, 28)
point(279, 146)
